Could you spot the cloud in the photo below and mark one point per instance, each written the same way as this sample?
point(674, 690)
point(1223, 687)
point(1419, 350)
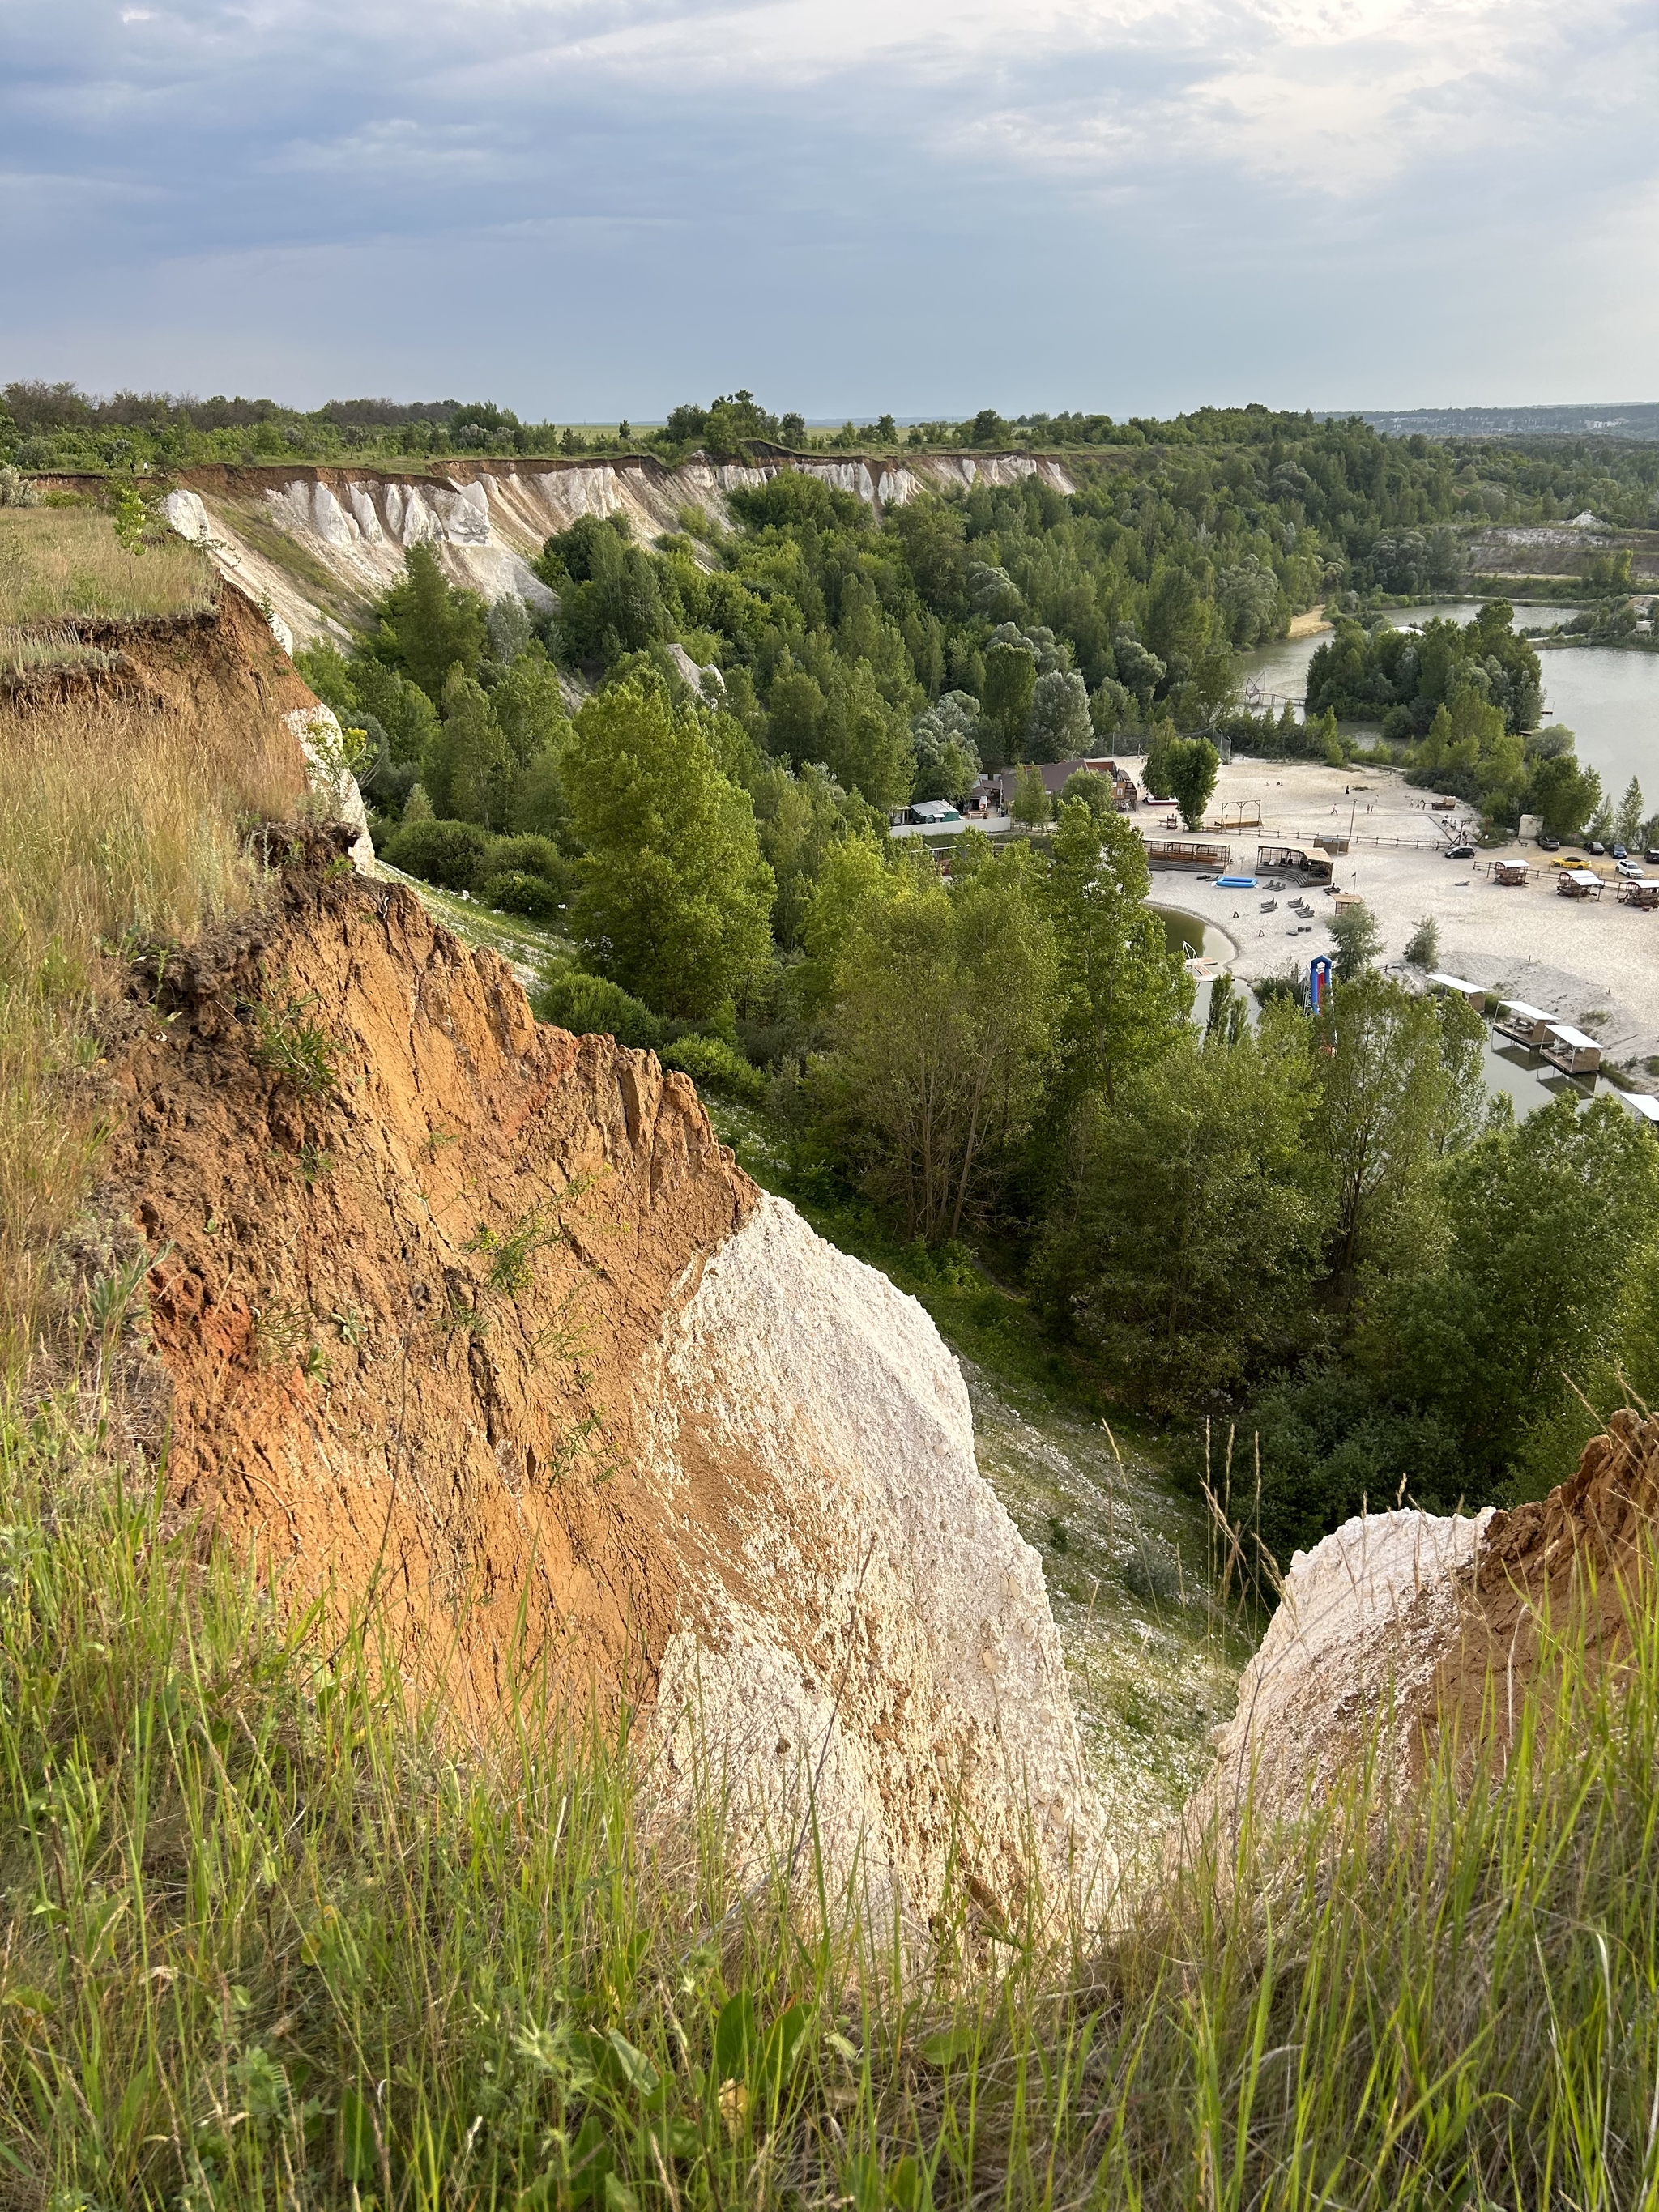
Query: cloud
point(1084, 202)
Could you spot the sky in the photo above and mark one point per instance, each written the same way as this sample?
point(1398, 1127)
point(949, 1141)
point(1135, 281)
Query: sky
point(588, 209)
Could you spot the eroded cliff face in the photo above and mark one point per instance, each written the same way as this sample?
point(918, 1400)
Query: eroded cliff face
point(476, 1324)
point(487, 520)
point(1401, 1627)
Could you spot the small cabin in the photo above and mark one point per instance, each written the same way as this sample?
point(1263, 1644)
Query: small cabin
point(1644, 1107)
point(1572, 1052)
point(1293, 858)
point(1459, 987)
point(1578, 883)
point(928, 814)
point(1330, 842)
point(1528, 1026)
point(1510, 871)
point(1639, 891)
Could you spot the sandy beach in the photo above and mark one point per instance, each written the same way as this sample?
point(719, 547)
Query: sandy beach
point(1595, 963)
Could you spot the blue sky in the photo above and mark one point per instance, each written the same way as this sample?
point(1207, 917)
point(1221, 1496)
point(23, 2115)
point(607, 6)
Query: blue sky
point(582, 208)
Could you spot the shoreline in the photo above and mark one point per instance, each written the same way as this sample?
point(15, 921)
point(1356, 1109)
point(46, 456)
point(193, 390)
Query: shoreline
point(1594, 962)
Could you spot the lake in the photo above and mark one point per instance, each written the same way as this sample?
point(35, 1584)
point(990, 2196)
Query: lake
point(1609, 699)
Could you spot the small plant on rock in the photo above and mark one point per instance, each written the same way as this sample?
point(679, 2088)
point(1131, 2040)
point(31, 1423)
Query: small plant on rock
point(299, 1050)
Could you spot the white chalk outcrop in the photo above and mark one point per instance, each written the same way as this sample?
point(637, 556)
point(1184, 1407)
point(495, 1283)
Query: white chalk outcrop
point(866, 1657)
point(1362, 1625)
point(323, 743)
point(487, 520)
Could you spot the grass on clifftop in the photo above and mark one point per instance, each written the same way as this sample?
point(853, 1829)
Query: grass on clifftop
point(118, 826)
point(271, 1937)
point(64, 562)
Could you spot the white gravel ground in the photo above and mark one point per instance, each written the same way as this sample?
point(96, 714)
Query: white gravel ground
point(1595, 963)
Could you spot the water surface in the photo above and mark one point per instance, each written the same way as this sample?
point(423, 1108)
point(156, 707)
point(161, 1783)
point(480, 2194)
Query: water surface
point(1608, 697)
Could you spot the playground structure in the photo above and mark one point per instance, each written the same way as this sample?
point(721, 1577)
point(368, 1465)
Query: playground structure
point(1239, 814)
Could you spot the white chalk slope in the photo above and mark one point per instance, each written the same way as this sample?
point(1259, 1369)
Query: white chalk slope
point(486, 520)
point(1361, 1623)
point(868, 1634)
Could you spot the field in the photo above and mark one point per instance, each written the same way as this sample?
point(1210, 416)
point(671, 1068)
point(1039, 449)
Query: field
point(65, 563)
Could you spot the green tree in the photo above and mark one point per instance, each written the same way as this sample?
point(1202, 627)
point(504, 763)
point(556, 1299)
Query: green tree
point(427, 626)
point(866, 740)
point(796, 711)
point(131, 520)
point(673, 895)
point(1549, 1220)
point(1423, 945)
point(942, 1025)
point(1057, 726)
point(466, 769)
point(1628, 821)
point(1030, 805)
point(529, 704)
point(799, 819)
point(1358, 940)
point(1399, 1087)
point(1565, 794)
point(1187, 1250)
point(1124, 994)
point(1010, 680)
point(1184, 768)
point(1096, 791)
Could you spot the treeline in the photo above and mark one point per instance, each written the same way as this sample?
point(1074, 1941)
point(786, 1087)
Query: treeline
point(1395, 506)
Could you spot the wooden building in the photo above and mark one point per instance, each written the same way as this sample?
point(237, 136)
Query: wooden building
point(1572, 1052)
point(1528, 1026)
point(1459, 987)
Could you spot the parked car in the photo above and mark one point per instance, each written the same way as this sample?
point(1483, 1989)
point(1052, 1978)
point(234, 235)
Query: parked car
point(1619, 852)
point(1549, 844)
point(1567, 860)
point(1651, 856)
point(1632, 870)
point(1460, 852)
point(1591, 846)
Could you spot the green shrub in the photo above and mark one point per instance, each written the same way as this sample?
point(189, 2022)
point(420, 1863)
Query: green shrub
point(446, 854)
point(527, 856)
point(711, 1060)
point(588, 1006)
point(513, 891)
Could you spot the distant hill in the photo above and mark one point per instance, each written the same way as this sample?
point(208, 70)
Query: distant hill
point(1622, 418)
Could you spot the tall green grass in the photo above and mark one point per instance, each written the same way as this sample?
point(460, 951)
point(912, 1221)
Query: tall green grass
point(119, 825)
point(58, 563)
point(274, 1934)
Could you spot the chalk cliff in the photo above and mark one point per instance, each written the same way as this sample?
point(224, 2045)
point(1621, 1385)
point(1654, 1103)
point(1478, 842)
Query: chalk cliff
point(286, 534)
point(476, 1324)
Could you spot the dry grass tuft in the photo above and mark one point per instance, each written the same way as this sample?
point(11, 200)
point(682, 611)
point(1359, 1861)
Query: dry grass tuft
point(64, 562)
point(118, 825)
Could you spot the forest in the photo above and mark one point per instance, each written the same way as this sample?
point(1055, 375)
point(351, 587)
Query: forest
point(1317, 1230)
